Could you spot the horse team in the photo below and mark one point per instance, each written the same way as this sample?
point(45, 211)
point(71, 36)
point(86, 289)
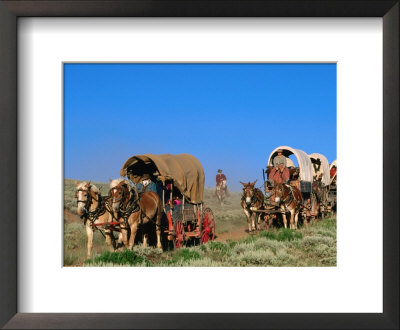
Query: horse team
point(122, 210)
point(284, 199)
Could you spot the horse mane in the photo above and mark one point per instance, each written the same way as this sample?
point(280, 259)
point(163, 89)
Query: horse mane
point(83, 184)
point(116, 182)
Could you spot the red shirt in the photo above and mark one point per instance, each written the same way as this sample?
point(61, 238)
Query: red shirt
point(220, 177)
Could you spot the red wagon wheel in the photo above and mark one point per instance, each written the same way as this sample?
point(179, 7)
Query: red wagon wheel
point(207, 226)
point(179, 234)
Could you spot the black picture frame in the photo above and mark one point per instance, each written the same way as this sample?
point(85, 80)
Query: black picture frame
point(9, 13)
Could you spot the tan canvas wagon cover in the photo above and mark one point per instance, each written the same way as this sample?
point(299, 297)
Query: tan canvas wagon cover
point(306, 172)
point(185, 170)
point(324, 168)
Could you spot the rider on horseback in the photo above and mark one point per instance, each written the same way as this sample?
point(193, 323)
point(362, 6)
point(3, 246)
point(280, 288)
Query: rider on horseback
point(219, 177)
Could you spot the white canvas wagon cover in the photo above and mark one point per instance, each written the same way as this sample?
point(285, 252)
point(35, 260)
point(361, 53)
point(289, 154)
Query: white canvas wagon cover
point(185, 170)
point(334, 163)
point(324, 168)
point(306, 171)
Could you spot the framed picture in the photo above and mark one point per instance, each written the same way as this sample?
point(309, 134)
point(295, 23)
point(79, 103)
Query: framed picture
point(155, 317)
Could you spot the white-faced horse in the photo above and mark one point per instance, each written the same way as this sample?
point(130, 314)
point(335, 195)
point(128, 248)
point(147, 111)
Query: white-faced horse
point(91, 208)
point(288, 199)
point(133, 209)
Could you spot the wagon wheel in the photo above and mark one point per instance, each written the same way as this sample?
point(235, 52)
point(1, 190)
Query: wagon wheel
point(179, 239)
point(207, 227)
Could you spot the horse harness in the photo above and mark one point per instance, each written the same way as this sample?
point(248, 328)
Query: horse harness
point(290, 196)
point(132, 206)
point(254, 197)
point(91, 215)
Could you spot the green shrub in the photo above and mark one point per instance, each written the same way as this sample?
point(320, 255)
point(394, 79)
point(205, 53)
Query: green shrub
point(255, 258)
point(218, 246)
point(327, 224)
point(286, 234)
point(265, 244)
point(326, 233)
point(186, 254)
point(126, 257)
point(284, 258)
point(203, 248)
point(312, 241)
point(268, 234)
point(249, 239)
point(203, 262)
point(241, 247)
point(232, 244)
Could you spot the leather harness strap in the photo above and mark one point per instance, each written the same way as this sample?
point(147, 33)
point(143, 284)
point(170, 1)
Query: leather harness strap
point(92, 215)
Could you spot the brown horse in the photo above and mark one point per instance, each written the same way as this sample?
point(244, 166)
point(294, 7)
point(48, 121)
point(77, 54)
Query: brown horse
point(288, 198)
point(92, 209)
point(252, 201)
point(133, 209)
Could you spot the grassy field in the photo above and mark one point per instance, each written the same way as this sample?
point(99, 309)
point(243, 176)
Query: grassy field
point(312, 246)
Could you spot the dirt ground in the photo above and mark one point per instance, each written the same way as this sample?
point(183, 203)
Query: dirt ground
point(71, 217)
point(233, 235)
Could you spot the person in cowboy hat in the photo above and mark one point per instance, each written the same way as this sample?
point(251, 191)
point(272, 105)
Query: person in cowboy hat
point(280, 161)
point(219, 178)
point(146, 184)
point(280, 173)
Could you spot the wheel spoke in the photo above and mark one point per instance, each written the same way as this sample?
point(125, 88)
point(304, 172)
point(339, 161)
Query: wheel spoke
point(207, 226)
point(179, 234)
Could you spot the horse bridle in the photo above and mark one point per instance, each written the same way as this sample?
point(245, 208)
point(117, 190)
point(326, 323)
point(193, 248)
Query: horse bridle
point(114, 199)
point(131, 206)
point(253, 197)
point(290, 195)
point(88, 200)
point(91, 215)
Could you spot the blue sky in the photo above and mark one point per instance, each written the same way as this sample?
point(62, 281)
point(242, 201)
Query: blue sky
point(229, 116)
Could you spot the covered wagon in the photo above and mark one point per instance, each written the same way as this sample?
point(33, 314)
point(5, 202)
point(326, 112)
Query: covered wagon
point(301, 177)
point(305, 174)
point(180, 184)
